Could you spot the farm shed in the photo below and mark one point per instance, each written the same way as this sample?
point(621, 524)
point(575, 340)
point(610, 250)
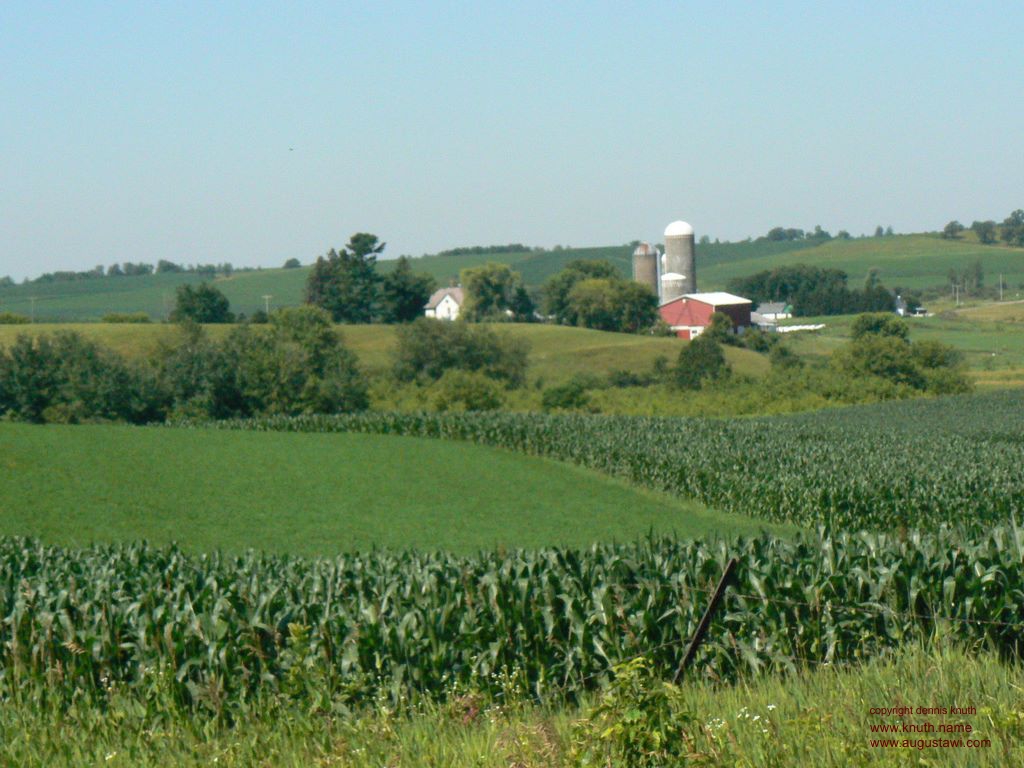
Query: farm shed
point(444, 303)
point(775, 310)
point(691, 313)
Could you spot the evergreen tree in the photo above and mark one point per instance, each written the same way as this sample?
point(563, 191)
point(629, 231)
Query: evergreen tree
point(403, 293)
point(346, 284)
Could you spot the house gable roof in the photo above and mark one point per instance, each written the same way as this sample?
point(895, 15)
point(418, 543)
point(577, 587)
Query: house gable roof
point(438, 296)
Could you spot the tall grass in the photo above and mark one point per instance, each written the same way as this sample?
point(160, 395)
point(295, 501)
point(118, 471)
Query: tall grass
point(817, 718)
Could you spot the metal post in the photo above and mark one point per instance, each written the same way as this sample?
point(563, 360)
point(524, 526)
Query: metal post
point(705, 622)
point(266, 302)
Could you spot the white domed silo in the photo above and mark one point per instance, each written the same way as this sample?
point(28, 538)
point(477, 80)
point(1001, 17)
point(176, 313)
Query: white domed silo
point(680, 275)
point(645, 266)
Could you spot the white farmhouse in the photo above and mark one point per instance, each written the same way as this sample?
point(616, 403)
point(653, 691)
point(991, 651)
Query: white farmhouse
point(444, 303)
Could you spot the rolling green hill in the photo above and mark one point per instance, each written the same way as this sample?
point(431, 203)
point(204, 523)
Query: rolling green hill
point(88, 300)
point(556, 351)
point(909, 261)
point(317, 494)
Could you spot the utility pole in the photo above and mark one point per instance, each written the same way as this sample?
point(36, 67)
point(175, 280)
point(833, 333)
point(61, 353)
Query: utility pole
point(33, 300)
point(266, 303)
point(1000, 286)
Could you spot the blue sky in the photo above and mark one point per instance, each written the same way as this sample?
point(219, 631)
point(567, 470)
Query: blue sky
point(255, 132)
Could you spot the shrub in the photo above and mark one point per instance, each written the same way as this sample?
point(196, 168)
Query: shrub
point(12, 318)
point(427, 348)
point(880, 349)
point(63, 377)
point(624, 378)
point(699, 362)
point(721, 330)
point(879, 324)
point(639, 722)
point(571, 396)
point(885, 356)
point(300, 365)
point(757, 340)
point(202, 304)
point(126, 317)
point(467, 391)
point(783, 358)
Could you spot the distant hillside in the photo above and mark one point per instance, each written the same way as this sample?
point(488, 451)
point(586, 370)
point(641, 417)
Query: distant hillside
point(84, 300)
point(911, 261)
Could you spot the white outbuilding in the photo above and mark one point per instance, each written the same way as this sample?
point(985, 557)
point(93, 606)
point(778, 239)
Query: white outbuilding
point(444, 303)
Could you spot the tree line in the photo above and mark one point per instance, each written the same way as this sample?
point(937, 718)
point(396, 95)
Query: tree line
point(1010, 231)
point(135, 269)
point(814, 290)
point(298, 363)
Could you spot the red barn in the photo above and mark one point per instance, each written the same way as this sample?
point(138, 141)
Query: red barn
point(690, 314)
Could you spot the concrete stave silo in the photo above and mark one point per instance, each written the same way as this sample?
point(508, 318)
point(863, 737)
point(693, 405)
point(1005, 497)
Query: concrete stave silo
point(680, 272)
point(645, 266)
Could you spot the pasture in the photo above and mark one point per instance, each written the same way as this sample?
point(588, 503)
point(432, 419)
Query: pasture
point(311, 494)
point(907, 261)
point(990, 336)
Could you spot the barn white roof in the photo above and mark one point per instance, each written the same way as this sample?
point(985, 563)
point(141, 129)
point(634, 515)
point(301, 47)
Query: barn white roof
point(717, 298)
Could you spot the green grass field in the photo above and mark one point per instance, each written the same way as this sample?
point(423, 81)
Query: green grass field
point(90, 300)
point(315, 494)
point(910, 261)
point(990, 335)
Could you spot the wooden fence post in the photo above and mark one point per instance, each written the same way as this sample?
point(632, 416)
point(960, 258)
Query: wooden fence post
point(705, 622)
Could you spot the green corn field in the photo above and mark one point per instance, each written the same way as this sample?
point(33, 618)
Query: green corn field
point(211, 631)
point(911, 510)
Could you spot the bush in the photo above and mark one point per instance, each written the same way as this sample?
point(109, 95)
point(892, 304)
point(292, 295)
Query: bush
point(623, 378)
point(428, 348)
point(887, 357)
point(571, 396)
point(202, 304)
point(300, 365)
point(881, 349)
point(63, 377)
point(639, 722)
point(758, 341)
point(879, 324)
point(721, 329)
point(701, 361)
point(126, 317)
point(12, 318)
point(783, 358)
point(467, 391)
